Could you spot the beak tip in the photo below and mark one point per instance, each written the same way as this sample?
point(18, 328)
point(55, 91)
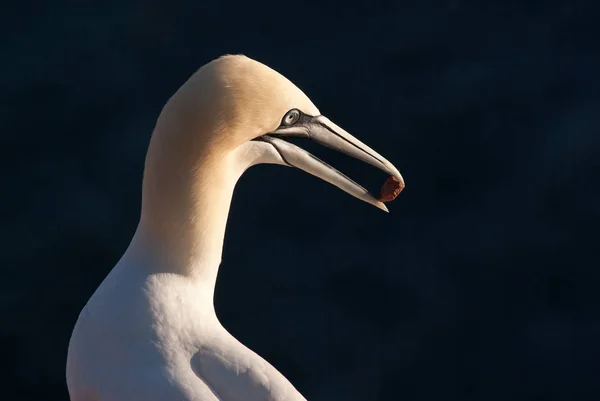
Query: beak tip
point(401, 181)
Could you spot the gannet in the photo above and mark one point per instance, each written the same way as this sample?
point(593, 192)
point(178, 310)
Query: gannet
point(150, 331)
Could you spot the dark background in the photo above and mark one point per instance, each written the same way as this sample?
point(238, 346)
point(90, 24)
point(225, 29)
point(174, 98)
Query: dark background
point(482, 283)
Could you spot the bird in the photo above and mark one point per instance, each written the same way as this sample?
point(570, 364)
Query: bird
point(150, 331)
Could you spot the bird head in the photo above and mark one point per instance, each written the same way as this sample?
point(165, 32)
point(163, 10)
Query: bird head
point(235, 107)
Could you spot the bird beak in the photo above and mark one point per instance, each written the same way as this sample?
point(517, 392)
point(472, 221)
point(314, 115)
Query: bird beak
point(325, 132)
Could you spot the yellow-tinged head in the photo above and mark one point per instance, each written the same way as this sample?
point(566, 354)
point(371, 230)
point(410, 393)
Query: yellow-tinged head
point(229, 101)
point(237, 106)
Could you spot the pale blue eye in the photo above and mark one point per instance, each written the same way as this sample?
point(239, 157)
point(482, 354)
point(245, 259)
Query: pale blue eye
point(291, 117)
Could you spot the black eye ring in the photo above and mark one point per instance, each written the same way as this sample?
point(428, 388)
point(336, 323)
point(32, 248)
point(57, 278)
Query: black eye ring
point(290, 117)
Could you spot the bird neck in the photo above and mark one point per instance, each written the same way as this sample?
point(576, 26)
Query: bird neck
point(184, 216)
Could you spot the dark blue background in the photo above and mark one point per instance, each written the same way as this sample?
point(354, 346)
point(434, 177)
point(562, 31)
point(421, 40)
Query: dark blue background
point(482, 283)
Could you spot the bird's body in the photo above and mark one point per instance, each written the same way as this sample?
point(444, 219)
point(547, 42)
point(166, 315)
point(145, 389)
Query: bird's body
point(152, 336)
point(150, 332)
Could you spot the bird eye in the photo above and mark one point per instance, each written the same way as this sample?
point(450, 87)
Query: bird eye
point(291, 117)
